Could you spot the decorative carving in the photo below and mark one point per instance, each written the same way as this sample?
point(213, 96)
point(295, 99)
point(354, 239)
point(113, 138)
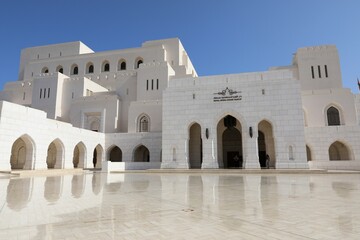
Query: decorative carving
point(227, 95)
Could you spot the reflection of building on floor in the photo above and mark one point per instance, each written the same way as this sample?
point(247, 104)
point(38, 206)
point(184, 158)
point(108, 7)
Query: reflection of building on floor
point(146, 107)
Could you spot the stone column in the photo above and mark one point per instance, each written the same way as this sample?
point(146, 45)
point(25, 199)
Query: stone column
point(250, 148)
point(209, 153)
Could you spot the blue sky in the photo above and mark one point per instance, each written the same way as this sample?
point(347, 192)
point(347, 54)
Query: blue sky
point(220, 36)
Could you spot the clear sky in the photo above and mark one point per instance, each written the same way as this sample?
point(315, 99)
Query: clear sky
point(220, 36)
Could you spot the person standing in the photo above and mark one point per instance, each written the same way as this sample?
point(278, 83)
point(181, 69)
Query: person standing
point(267, 161)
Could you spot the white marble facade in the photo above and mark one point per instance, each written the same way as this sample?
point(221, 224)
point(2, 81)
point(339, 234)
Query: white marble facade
point(146, 108)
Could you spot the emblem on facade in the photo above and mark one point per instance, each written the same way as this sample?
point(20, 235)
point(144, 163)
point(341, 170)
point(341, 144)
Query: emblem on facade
point(227, 95)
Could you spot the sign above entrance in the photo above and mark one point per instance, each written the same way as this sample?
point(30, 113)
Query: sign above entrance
point(227, 95)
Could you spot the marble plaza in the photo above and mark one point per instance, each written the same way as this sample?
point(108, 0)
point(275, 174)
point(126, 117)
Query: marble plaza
point(208, 205)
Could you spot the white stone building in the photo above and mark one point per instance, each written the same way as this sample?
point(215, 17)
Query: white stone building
point(146, 108)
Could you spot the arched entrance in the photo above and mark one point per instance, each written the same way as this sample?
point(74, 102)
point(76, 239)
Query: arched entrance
point(115, 154)
point(79, 155)
point(339, 151)
point(195, 146)
point(22, 153)
point(266, 145)
point(262, 149)
point(97, 156)
point(308, 153)
point(230, 152)
point(55, 154)
point(141, 154)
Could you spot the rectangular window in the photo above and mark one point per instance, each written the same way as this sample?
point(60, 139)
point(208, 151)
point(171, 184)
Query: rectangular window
point(40, 92)
point(72, 95)
point(147, 85)
point(152, 84)
point(48, 92)
point(319, 70)
point(312, 72)
point(24, 96)
point(157, 84)
point(326, 72)
point(127, 91)
point(44, 93)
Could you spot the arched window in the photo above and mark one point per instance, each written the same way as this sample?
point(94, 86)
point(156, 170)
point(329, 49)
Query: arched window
point(45, 70)
point(122, 65)
point(138, 62)
point(106, 66)
point(174, 154)
point(291, 153)
point(333, 116)
point(90, 68)
point(144, 125)
point(308, 153)
point(95, 126)
point(60, 69)
point(74, 69)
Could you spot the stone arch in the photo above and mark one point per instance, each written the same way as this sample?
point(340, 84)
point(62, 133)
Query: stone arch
point(195, 152)
point(55, 154)
point(141, 154)
point(230, 142)
point(79, 155)
point(23, 153)
point(266, 127)
point(114, 154)
point(339, 151)
point(98, 156)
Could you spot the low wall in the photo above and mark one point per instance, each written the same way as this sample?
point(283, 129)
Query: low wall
point(108, 166)
point(335, 165)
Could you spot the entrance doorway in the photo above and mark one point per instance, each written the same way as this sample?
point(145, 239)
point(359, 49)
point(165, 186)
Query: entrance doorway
point(195, 146)
point(230, 152)
point(266, 145)
point(262, 149)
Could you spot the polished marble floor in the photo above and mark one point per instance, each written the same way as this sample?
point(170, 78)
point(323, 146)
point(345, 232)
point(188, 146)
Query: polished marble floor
point(180, 206)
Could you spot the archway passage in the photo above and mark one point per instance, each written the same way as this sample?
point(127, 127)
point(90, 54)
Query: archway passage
point(141, 154)
point(115, 154)
point(22, 153)
point(339, 151)
point(97, 156)
point(79, 155)
point(262, 149)
point(230, 152)
point(18, 154)
point(266, 145)
point(195, 146)
point(51, 156)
